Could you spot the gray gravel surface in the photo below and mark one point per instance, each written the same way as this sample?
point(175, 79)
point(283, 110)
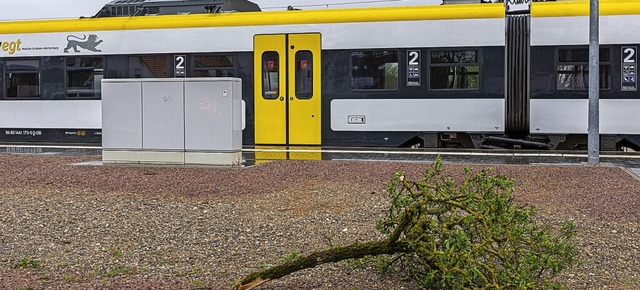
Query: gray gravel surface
point(64, 226)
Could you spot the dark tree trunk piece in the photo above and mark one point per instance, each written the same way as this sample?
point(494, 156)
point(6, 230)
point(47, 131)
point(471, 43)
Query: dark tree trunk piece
point(354, 251)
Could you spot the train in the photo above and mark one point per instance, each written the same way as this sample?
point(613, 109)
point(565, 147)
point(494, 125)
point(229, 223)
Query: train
point(428, 76)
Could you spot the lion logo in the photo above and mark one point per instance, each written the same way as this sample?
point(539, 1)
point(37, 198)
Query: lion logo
point(85, 42)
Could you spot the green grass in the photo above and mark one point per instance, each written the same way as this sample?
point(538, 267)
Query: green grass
point(115, 251)
point(291, 256)
point(119, 271)
point(27, 263)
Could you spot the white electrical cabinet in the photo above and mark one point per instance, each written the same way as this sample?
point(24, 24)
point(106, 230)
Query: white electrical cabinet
point(172, 121)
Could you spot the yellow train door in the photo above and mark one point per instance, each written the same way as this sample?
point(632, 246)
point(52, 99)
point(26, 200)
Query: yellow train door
point(287, 89)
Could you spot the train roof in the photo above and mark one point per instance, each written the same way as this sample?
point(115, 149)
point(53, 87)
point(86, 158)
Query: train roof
point(169, 7)
point(325, 16)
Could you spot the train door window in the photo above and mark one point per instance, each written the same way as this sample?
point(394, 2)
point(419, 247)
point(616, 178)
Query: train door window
point(454, 70)
point(374, 70)
point(84, 75)
point(573, 69)
point(270, 74)
point(22, 78)
point(304, 74)
point(213, 66)
point(148, 66)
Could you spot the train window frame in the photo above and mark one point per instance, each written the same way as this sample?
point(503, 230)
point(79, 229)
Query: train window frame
point(605, 68)
point(354, 88)
point(455, 64)
point(229, 71)
point(8, 71)
point(304, 74)
point(92, 75)
point(132, 73)
point(266, 72)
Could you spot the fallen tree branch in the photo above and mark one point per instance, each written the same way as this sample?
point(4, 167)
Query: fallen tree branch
point(457, 236)
point(354, 251)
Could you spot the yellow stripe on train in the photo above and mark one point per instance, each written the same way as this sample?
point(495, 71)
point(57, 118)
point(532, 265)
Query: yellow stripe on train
point(410, 13)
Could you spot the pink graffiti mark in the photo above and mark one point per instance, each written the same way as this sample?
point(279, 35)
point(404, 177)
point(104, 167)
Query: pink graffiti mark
point(211, 107)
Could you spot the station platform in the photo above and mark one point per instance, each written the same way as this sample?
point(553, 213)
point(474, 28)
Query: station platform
point(260, 154)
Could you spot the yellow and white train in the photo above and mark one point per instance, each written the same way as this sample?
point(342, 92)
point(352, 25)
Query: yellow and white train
point(432, 76)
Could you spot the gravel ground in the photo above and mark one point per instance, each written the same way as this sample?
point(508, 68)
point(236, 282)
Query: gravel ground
point(65, 226)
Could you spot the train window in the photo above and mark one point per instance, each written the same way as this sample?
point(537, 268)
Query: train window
point(151, 66)
point(304, 74)
point(84, 75)
point(573, 69)
point(22, 78)
point(454, 70)
point(213, 66)
point(270, 74)
point(374, 70)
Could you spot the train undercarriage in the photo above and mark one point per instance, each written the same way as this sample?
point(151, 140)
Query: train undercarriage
point(528, 142)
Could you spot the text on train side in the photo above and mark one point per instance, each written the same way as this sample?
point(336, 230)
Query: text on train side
point(10, 46)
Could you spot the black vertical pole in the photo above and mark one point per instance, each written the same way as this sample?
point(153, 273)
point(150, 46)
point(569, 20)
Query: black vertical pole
point(517, 67)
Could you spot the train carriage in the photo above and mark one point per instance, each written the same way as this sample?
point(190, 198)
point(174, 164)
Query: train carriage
point(431, 76)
